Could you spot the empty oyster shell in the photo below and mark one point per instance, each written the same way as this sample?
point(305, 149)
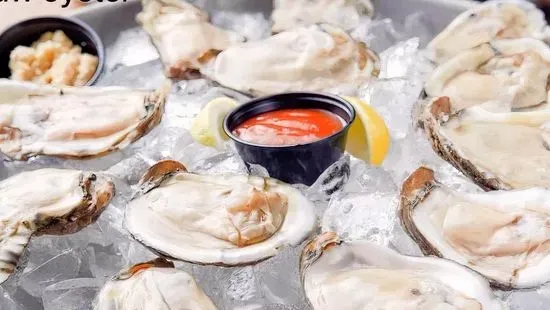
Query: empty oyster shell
point(346, 14)
point(310, 58)
point(152, 285)
point(503, 235)
point(183, 35)
point(217, 219)
point(496, 150)
point(361, 275)
point(73, 122)
point(47, 201)
point(505, 74)
point(502, 19)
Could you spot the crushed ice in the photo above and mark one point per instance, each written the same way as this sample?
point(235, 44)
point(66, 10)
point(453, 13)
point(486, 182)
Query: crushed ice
point(354, 199)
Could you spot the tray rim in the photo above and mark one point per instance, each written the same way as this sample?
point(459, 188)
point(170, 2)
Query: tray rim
point(97, 8)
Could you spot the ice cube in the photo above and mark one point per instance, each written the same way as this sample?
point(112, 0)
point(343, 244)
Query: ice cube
point(361, 216)
point(420, 25)
point(132, 47)
point(368, 179)
point(74, 294)
point(380, 34)
point(130, 170)
point(137, 253)
point(105, 261)
point(278, 278)
point(527, 299)
point(399, 60)
point(7, 302)
point(330, 181)
point(242, 284)
point(61, 266)
point(401, 242)
point(20, 297)
point(146, 75)
point(407, 154)
point(227, 287)
point(377, 34)
point(253, 26)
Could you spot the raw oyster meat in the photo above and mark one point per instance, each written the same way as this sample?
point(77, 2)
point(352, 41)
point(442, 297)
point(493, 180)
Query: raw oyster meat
point(183, 35)
point(47, 201)
point(73, 122)
point(217, 219)
point(152, 285)
point(346, 14)
point(503, 235)
point(361, 275)
point(502, 74)
point(312, 58)
point(501, 19)
point(496, 150)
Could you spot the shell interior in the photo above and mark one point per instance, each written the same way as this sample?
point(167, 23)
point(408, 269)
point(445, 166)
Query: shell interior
point(289, 14)
point(362, 275)
point(503, 19)
point(73, 122)
point(47, 201)
point(501, 234)
point(496, 150)
point(217, 219)
point(501, 75)
point(312, 58)
point(183, 35)
point(153, 285)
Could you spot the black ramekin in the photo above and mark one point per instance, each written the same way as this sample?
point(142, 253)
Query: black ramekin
point(28, 31)
point(302, 163)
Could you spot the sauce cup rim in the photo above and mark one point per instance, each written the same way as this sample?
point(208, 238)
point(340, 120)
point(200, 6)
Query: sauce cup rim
point(255, 101)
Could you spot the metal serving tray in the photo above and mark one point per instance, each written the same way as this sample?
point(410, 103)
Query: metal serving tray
point(109, 19)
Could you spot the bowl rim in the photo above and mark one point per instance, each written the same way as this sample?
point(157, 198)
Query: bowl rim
point(94, 36)
point(255, 101)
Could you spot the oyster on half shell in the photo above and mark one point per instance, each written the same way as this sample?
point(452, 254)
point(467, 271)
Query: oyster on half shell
point(361, 275)
point(183, 35)
point(503, 235)
point(73, 122)
point(312, 58)
point(346, 14)
point(500, 19)
point(47, 201)
point(505, 74)
point(496, 150)
point(217, 219)
point(152, 285)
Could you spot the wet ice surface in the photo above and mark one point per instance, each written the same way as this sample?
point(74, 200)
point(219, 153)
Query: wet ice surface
point(352, 198)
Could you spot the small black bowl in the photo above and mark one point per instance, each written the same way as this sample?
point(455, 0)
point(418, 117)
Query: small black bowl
point(28, 31)
point(293, 164)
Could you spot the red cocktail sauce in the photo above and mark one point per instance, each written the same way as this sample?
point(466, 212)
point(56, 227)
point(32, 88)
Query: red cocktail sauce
point(289, 127)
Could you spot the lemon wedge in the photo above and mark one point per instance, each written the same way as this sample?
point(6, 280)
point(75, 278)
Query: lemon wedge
point(368, 137)
point(207, 127)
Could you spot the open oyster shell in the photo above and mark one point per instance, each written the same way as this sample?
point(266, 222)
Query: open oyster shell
point(346, 14)
point(217, 219)
point(313, 58)
point(73, 122)
point(501, 19)
point(361, 275)
point(47, 201)
point(502, 75)
point(183, 35)
point(152, 285)
point(496, 150)
point(501, 234)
